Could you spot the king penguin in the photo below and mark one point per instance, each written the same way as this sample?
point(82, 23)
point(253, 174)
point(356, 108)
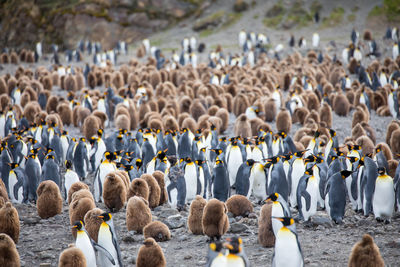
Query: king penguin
point(215, 257)
point(296, 170)
point(243, 184)
point(16, 182)
point(220, 182)
point(384, 196)
point(233, 162)
point(236, 255)
point(50, 171)
point(307, 195)
point(191, 179)
point(368, 181)
point(106, 166)
point(88, 246)
point(107, 238)
point(335, 196)
point(33, 173)
point(287, 250)
point(70, 177)
point(280, 208)
point(80, 158)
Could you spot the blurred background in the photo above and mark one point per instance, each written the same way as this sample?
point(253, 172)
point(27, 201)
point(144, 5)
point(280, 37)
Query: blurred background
point(166, 22)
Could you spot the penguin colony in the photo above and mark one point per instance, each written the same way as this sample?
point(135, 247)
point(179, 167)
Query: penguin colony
point(153, 132)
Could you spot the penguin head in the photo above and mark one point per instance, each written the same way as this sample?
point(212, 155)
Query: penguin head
point(353, 159)
point(282, 134)
point(13, 165)
point(108, 155)
point(274, 197)
point(128, 167)
point(213, 127)
point(377, 150)
point(106, 216)
point(78, 225)
point(203, 149)
point(316, 134)
point(119, 137)
point(68, 164)
point(381, 171)
point(199, 162)
point(250, 162)
point(138, 163)
point(300, 154)
point(273, 160)
point(188, 160)
point(219, 162)
point(234, 244)
point(217, 151)
point(216, 246)
point(286, 221)
point(82, 139)
point(309, 171)
point(50, 157)
point(100, 132)
point(345, 173)
point(310, 159)
point(287, 157)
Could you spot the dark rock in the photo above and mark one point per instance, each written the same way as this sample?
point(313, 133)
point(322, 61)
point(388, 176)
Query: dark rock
point(240, 6)
point(167, 213)
point(31, 220)
point(175, 221)
point(128, 239)
point(187, 257)
point(238, 228)
point(252, 215)
point(323, 221)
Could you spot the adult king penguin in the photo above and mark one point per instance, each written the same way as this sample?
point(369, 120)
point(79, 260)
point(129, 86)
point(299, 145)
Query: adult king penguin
point(108, 239)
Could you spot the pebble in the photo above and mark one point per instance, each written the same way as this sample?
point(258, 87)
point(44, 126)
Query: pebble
point(323, 221)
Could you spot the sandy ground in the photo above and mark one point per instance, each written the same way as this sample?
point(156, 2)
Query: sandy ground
point(323, 244)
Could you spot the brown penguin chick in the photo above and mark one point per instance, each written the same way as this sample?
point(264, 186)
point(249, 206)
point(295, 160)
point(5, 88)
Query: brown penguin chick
point(341, 105)
point(359, 116)
point(2, 202)
point(392, 167)
point(114, 192)
point(312, 101)
point(70, 83)
point(314, 116)
point(150, 254)
point(65, 112)
point(215, 221)
point(83, 113)
point(194, 221)
point(72, 257)
point(197, 109)
point(5, 101)
point(270, 109)
point(239, 205)
point(9, 221)
point(190, 124)
point(8, 252)
point(49, 201)
point(125, 178)
point(93, 222)
point(240, 104)
point(325, 114)
point(47, 82)
point(242, 126)
point(30, 57)
point(366, 144)
point(266, 236)
point(14, 58)
point(141, 51)
point(3, 86)
point(78, 209)
point(154, 190)
point(3, 191)
point(283, 121)
point(90, 126)
point(358, 131)
point(394, 142)
point(393, 126)
point(156, 124)
point(385, 149)
point(92, 80)
point(300, 114)
point(366, 253)
point(305, 140)
point(155, 78)
point(75, 187)
point(352, 67)
point(299, 146)
point(159, 176)
point(138, 187)
point(30, 110)
point(123, 122)
point(11, 84)
point(213, 110)
point(138, 214)
point(223, 114)
point(157, 230)
point(102, 117)
point(181, 119)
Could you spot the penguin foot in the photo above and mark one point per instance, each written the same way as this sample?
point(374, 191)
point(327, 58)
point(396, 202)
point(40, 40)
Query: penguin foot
point(378, 219)
point(387, 221)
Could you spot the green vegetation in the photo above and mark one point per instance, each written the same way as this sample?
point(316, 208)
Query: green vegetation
point(206, 33)
point(274, 15)
point(298, 16)
point(355, 9)
point(351, 17)
point(222, 21)
point(390, 9)
point(256, 16)
point(231, 19)
point(272, 22)
point(334, 19)
point(315, 6)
